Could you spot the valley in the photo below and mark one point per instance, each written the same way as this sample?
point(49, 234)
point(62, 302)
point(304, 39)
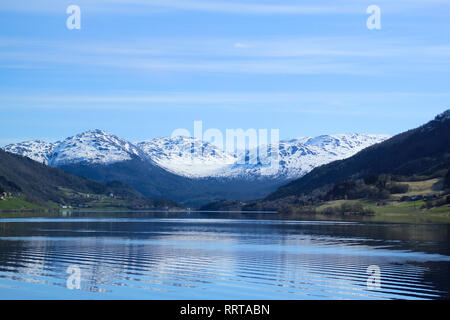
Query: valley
point(188, 170)
point(406, 176)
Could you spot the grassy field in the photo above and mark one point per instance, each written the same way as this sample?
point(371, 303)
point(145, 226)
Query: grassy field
point(395, 211)
point(412, 212)
point(431, 186)
point(95, 202)
point(17, 203)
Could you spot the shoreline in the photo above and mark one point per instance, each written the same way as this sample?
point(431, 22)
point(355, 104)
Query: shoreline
point(413, 218)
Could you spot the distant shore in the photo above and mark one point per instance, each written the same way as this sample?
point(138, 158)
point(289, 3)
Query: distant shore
point(381, 217)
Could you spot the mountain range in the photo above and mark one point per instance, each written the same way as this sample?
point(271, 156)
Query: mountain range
point(188, 170)
point(422, 151)
point(46, 187)
point(380, 177)
point(195, 172)
point(190, 157)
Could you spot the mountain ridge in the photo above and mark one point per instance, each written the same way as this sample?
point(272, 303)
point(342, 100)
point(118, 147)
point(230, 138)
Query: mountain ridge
point(187, 170)
point(181, 156)
point(415, 151)
point(48, 186)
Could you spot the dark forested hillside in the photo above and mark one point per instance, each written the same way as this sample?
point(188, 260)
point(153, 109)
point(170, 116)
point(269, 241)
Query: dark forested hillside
point(156, 182)
point(41, 184)
point(420, 151)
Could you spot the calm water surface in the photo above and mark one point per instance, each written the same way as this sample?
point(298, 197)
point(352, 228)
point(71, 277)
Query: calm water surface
point(219, 256)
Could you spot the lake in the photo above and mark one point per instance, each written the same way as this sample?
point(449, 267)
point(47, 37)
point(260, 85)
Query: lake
point(219, 256)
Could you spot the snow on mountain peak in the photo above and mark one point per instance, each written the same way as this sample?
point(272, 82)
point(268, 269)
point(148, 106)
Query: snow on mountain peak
point(296, 157)
point(37, 150)
point(194, 158)
point(187, 156)
point(93, 146)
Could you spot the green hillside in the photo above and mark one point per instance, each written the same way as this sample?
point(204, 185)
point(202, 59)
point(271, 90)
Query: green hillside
point(403, 179)
point(32, 185)
point(418, 152)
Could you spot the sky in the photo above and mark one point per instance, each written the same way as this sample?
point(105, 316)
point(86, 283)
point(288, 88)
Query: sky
point(141, 68)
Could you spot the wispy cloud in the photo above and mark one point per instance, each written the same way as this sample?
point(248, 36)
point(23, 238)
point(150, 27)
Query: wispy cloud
point(320, 100)
point(283, 7)
point(244, 7)
point(228, 7)
point(235, 7)
point(294, 55)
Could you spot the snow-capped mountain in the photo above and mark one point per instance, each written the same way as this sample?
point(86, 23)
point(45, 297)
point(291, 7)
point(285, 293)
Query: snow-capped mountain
point(192, 158)
point(94, 147)
point(297, 157)
point(37, 150)
point(188, 157)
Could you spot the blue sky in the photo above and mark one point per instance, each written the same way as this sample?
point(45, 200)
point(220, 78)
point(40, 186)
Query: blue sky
point(141, 69)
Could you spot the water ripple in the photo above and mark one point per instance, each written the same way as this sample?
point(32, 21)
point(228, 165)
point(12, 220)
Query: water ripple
point(215, 259)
